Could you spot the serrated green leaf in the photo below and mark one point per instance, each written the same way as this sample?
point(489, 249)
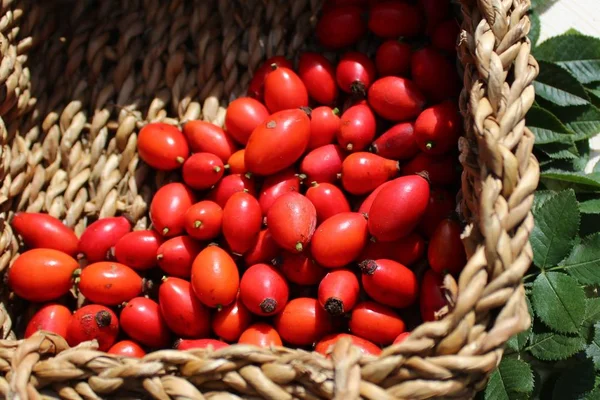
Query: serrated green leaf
point(572, 31)
point(554, 347)
point(593, 349)
point(585, 71)
point(558, 86)
point(578, 54)
point(512, 378)
point(591, 206)
point(576, 180)
point(558, 301)
point(540, 197)
point(534, 31)
point(556, 224)
point(587, 124)
point(520, 340)
point(583, 263)
point(584, 121)
point(575, 381)
point(568, 48)
point(560, 151)
point(546, 127)
point(592, 316)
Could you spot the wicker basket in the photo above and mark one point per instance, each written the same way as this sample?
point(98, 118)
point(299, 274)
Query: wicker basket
point(79, 78)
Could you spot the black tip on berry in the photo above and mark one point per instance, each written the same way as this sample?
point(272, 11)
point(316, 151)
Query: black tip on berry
point(268, 305)
point(334, 306)
point(103, 319)
point(358, 89)
point(368, 267)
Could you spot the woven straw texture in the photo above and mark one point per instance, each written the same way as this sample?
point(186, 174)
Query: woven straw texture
point(79, 78)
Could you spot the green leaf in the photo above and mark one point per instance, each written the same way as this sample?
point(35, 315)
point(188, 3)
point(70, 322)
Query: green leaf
point(534, 31)
point(553, 347)
point(546, 127)
point(594, 95)
point(572, 31)
point(560, 151)
point(592, 316)
point(593, 395)
point(520, 340)
point(578, 54)
point(540, 198)
point(577, 180)
point(580, 164)
point(591, 206)
point(568, 48)
point(575, 381)
point(593, 349)
point(583, 263)
point(558, 301)
point(587, 123)
point(585, 71)
point(584, 121)
point(558, 86)
point(512, 378)
point(556, 224)
point(595, 92)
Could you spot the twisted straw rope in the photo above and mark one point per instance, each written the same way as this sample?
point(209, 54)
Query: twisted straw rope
point(70, 109)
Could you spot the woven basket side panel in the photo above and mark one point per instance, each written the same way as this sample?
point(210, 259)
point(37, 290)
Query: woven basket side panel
point(16, 104)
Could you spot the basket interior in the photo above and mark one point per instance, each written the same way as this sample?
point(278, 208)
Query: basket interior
point(79, 78)
point(90, 74)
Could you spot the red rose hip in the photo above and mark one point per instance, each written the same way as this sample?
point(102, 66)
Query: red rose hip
point(263, 290)
point(389, 282)
point(93, 322)
point(292, 220)
point(351, 234)
point(398, 208)
point(338, 291)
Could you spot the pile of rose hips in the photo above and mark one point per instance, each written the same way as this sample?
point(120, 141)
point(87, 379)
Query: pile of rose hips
point(292, 225)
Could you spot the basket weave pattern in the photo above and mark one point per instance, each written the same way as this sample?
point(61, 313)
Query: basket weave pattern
point(77, 81)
